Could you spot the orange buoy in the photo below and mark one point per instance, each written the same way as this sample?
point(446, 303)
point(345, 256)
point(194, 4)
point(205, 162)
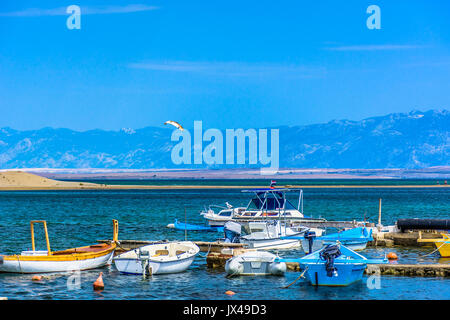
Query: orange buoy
point(98, 284)
point(229, 292)
point(392, 256)
point(36, 278)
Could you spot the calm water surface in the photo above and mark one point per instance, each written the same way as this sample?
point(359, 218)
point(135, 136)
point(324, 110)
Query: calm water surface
point(78, 218)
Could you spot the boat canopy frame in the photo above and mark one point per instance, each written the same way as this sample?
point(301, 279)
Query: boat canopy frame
point(274, 192)
point(33, 246)
point(47, 240)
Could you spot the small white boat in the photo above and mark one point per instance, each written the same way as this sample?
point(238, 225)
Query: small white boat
point(271, 235)
point(222, 216)
point(255, 263)
point(161, 258)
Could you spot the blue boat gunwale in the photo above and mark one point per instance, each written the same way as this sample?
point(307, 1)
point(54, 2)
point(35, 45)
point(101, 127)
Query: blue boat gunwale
point(347, 257)
point(348, 236)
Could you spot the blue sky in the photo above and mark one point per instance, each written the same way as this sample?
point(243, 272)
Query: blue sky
point(229, 63)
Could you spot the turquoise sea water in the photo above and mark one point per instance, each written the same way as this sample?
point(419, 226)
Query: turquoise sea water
point(78, 218)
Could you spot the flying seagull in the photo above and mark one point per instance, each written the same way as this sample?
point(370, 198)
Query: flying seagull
point(175, 124)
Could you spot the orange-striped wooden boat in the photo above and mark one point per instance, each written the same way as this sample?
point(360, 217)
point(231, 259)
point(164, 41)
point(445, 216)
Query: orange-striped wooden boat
point(82, 258)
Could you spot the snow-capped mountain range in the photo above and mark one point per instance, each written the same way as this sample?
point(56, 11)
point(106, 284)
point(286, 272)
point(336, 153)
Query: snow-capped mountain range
point(400, 140)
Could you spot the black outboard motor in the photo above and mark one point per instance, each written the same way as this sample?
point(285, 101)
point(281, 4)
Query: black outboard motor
point(310, 236)
point(232, 232)
point(328, 254)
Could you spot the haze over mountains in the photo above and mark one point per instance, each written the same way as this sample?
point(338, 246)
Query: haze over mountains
point(401, 140)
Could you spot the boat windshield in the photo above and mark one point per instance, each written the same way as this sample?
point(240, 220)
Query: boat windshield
point(226, 213)
point(269, 201)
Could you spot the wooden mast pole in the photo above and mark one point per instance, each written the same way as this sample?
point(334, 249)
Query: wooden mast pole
point(32, 236)
point(185, 225)
point(379, 213)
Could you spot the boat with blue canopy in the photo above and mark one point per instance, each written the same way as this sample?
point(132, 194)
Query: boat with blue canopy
point(334, 265)
point(265, 203)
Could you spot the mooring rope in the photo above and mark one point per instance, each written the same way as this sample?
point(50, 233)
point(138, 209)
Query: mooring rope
point(433, 250)
point(300, 276)
point(209, 249)
point(228, 276)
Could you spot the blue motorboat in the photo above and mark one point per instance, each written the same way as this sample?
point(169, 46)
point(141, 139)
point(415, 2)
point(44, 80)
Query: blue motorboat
point(355, 239)
point(334, 265)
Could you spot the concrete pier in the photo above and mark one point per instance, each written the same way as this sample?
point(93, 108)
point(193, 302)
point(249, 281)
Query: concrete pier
point(309, 222)
point(417, 270)
point(407, 239)
point(217, 246)
point(127, 245)
point(381, 239)
point(413, 270)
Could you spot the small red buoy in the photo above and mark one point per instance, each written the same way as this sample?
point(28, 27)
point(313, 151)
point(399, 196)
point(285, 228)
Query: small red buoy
point(392, 256)
point(36, 278)
point(229, 292)
point(98, 284)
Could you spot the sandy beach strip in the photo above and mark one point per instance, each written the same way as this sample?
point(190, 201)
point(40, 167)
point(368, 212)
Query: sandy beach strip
point(202, 187)
point(24, 181)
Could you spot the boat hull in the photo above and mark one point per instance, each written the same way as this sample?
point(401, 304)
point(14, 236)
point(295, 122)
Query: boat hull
point(43, 266)
point(444, 249)
point(353, 245)
point(269, 244)
point(442, 245)
point(217, 223)
point(346, 274)
point(317, 244)
point(133, 266)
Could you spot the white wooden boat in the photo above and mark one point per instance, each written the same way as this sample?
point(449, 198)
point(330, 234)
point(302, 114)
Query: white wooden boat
point(272, 235)
point(40, 261)
point(171, 257)
point(255, 263)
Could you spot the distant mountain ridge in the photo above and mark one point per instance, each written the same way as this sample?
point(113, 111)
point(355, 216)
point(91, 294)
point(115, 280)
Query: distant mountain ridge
point(399, 140)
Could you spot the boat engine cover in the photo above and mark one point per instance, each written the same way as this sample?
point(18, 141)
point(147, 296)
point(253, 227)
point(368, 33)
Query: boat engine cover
point(233, 226)
point(232, 231)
